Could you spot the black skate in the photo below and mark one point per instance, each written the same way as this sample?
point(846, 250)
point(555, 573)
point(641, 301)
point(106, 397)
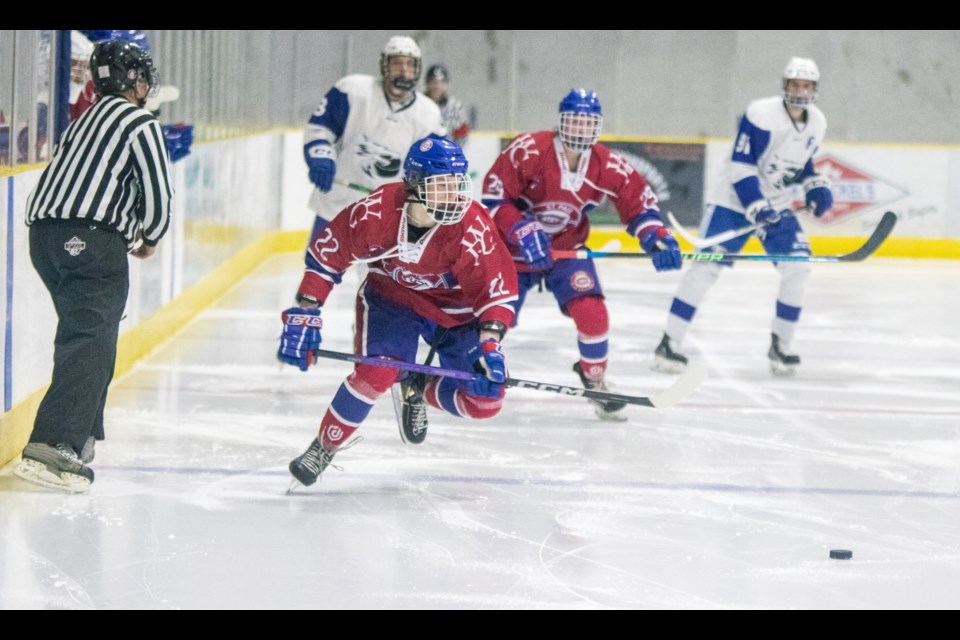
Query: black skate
point(666, 360)
point(307, 467)
point(605, 409)
point(413, 419)
point(55, 466)
point(781, 364)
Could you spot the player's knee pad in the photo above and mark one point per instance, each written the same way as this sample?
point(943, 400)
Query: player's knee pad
point(371, 381)
point(698, 279)
point(793, 281)
point(589, 313)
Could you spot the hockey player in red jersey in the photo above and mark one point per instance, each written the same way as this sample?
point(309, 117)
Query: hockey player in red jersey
point(438, 270)
point(540, 191)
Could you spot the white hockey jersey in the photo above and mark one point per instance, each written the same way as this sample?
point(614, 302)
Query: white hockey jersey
point(774, 150)
point(370, 135)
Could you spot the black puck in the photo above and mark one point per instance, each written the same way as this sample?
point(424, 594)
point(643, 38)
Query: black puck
point(841, 554)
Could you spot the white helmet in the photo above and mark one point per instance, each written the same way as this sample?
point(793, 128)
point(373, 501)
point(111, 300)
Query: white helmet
point(401, 46)
point(801, 69)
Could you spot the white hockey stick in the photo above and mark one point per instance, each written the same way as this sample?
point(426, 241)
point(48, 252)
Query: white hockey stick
point(701, 243)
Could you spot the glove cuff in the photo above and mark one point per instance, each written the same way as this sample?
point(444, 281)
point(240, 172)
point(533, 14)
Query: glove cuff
point(815, 182)
point(756, 207)
point(319, 150)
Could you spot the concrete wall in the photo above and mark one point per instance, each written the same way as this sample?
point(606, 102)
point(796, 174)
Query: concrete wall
point(877, 86)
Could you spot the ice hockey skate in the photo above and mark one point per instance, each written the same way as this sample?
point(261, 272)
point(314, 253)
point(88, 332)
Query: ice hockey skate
point(413, 415)
point(782, 363)
point(666, 360)
point(55, 467)
point(609, 410)
point(308, 466)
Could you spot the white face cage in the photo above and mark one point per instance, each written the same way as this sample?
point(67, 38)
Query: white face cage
point(579, 131)
point(800, 99)
point(446, 197)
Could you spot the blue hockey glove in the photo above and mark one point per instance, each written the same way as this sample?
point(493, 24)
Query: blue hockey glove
point(534, 243)
point(489, 360)
point(660, 243)
point(301, 336)
point(321, 163)
point(178, 137)
point(761, 212)
point(819, 197)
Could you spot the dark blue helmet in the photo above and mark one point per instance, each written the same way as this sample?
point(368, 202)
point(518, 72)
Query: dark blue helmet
point(581, 119)
point(436, 174)
point(581, 101)
point(116, 64)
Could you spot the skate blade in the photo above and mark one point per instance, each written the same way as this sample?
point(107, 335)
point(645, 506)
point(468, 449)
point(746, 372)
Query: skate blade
point(37, 473)
point(293, 485)
point(662, 365)
point(612, 417)
point(783, 370)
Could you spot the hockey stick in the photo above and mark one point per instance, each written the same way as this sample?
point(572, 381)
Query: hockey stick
point(720, 238)
point(353, 185)
point(879, 234)
point(680, 389)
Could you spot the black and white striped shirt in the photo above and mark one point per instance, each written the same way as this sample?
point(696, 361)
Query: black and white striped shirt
point(110, 166)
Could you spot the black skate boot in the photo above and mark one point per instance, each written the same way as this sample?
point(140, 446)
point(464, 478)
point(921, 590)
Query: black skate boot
point(55, 466)
point(666, 360)
point(781, 364)
point(307, 467)
point(605, 409)
point(413, 422)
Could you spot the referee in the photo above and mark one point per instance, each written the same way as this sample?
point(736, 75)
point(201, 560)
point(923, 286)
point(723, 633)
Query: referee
point(106, 192)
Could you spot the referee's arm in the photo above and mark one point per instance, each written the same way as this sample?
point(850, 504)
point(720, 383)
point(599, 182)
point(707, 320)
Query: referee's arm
point(150, 152)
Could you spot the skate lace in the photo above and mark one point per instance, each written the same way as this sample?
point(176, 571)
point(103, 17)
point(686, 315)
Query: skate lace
point(318, 459)
point(67, 452)
point(418, 413)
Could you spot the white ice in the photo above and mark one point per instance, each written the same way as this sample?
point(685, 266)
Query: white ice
point(732, 499)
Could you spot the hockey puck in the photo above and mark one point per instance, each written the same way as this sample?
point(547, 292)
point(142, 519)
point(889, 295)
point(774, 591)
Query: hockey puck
point(841, 554)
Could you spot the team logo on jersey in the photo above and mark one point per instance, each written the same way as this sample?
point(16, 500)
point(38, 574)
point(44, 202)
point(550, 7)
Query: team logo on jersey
point(521, 149)
point(426, 145)
point(556, 216)
point(417, 281)
point(855, 191)
point(478, 240)
point(581, 281)
point(377, 161)
point(74, 246)
point(369, 207)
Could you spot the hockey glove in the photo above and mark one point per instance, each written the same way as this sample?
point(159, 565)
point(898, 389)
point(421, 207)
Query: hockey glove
point(322, 164)
point(489, 360)
point(819, 197)
point(178, 137)
point(534, 244)
point(301, 336)
point(660, 243)
point(761, 212)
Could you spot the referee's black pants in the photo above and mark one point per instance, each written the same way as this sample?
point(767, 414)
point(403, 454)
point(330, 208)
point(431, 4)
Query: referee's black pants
point(85, 270)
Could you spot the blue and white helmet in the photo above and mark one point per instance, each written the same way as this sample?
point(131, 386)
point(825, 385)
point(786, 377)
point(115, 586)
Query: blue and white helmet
point(581, 119)
point(436, 175)
point(801, 69)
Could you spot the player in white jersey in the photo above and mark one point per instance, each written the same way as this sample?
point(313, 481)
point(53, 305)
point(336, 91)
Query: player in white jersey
point(362, 128)
point(772, 153)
